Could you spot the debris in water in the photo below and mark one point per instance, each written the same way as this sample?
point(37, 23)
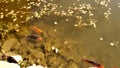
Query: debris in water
point(55, 29)
point(118, 5)
point(116, 44)
point(112, 44)
point(55, 22)
point(101, 38)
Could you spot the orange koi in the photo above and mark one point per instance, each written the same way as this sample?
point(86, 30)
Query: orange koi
point(36, 29)
point(93, 63)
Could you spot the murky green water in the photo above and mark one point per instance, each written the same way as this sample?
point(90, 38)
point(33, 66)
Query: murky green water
point(92, 37)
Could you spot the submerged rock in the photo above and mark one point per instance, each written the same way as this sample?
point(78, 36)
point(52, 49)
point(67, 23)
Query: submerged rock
point(8, 44)
point(4, 64)
point(72, 65)
point(36, 66)
point(15, 59)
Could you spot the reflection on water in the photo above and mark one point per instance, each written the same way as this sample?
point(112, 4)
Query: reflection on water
point(79, 29)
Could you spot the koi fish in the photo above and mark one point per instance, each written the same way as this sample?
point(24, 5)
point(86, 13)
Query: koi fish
point(36, 29)
point(93, 63)
point(31, 37)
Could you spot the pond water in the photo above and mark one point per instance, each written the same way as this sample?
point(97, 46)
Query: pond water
point(68, 26)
